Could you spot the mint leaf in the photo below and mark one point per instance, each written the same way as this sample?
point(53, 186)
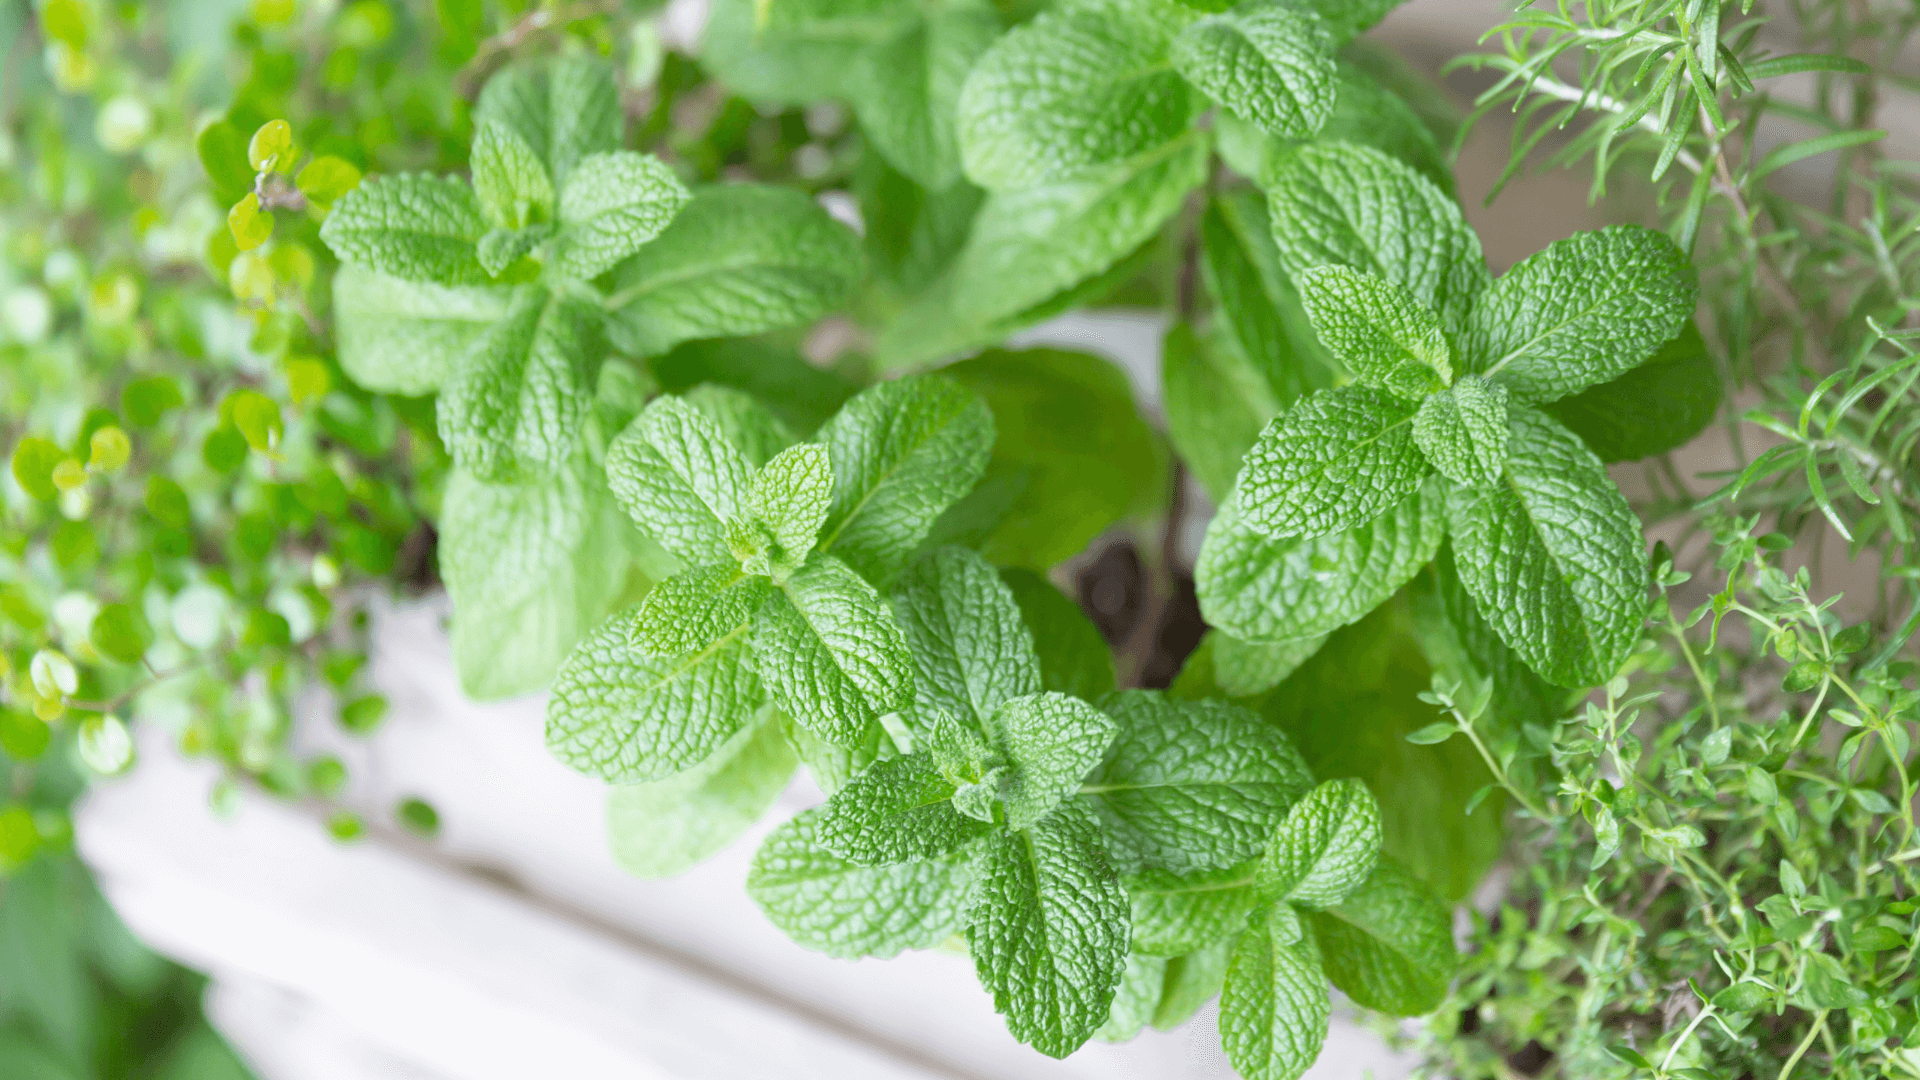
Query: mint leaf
point(1269, 63)
point(1256, 308)
point(738, 259)
point(680, 478)
point(1192, 981)
point(902, 452)
point(971, 651)
point(515, 404)
point(1048, 929)
point(1336, 459)
point(1274, 1008)
point(1191, 785)
point(1377, 329)
point(1553, 557)
point(744, 420)
point(830, 652)
point(1463, 647)
point(1245, 668)
point(1583, 311)
point(1656, 407)
point(669, 826)
point(501, 248)
point(1135, 999)
point(786, 501)
point(1354, 206)
point(1462, 430)
point(509, 177)
point(1074, 658)
point(613, 203)
point(1177, 914)
point(531, 568)
point(412, 226)
point(1080, 85)
point(831, 765)
point(408, 337)
point(623, 716)
point(1052, 742)
point(1265, 590)
point(1324, 849)
point(690, 611)
point(897, 811)
point(830, 905)
point(906, 89)
point(562, 109)
point(1389, 945)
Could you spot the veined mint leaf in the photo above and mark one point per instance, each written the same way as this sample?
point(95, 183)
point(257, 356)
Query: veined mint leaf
point(1177, 914)
point(1377, 329)
point(1052, 742)
point(738, 259)
point(1389, 945)
point(830, 905)
point(1553, 556)
point(692, 610)
point(902, 452)
point(899, 810)
point(1048, 930)
point(1083, 84)
point(1274, 1008)
point(408, 337)
point(667, 827)
point(1583, 311)
point(1336, 459)
point(1265, 590)
point(830, 652)
point(906, 89)
point(1245, 668)
point(509, 177)
point(1324, 848)
point(1191, 785)
point(971, 651)
point(1354, 206)
point(1192, 981)
point(786, 502)
point(680, 478)
point(1463, 431)
point(613, 203)
point(515, 405)
point(1650, 410)
point(1135, 999)
point(412, 226)
point(1074, 658)
point(562, 109)
point(961, 753)
point(623, 716)
point(1270, 63)
point(1364, 112)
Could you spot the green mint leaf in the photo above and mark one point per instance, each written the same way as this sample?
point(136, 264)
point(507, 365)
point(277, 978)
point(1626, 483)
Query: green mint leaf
point(1136, 998)
point(1345, 205)
point(1463, 647)
point(1377, 329)
point(1256, 309)
point(1462, 430)
point(501, 248)
point(1389, 945)
point(681, 479)
point(830, 653)
point(1191, 785)
point(1268, 62)
point(830, 905)
point(408, 337)
point(906, 89)
point(669, 826)
point(1177, 914)
point(691, 611)
point(613, 203)
point(1324, 849)
point(1192, 981)
point(898, 810)
point(1074, 658)
point(531, 568)
point(515, 405)
point(1335, 460)
point(961, 753)
point(971, 651)
point(1554, 558)
point(1081, 85)
point(1048, 929)
point(1051, 741)
point(744, 420)
point(1274, 1008)
point(787, 501)
point(1265, 590)
point(512, 182)
point(1246, 668)
point(1216, 403)
point(738, 259)
point(1648, 411)
point(562, 109)
point(902, 452)
point(834, 766)
point(412, 226)
point(1583, 311)
point(623, 716)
